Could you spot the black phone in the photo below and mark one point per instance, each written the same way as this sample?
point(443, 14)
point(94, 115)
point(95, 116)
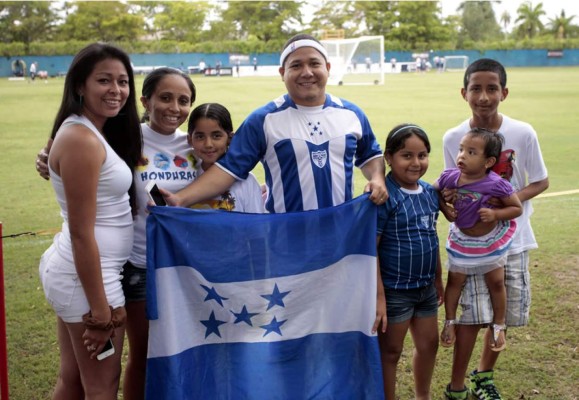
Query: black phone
point(155, 194)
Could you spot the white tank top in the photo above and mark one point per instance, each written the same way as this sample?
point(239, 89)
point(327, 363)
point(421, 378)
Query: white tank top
point(114, 223)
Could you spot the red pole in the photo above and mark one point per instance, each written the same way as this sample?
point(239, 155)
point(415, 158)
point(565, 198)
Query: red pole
point(3, 349)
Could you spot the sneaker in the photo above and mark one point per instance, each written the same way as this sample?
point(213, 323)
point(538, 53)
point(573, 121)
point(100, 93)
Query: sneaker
point(455, 394)
point(482, 387)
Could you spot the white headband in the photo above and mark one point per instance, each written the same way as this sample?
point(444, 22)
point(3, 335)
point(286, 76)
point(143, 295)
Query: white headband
point(302, 43)
point(406, 127)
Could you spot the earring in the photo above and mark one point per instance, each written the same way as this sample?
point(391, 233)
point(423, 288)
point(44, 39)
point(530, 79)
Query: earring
point(80, 99)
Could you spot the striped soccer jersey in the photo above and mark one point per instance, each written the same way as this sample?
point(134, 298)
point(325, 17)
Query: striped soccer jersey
point(408, 247)
point(308, 153)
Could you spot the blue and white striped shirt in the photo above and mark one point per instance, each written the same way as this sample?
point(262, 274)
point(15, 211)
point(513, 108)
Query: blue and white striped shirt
point(408, 247)
point(308, 153)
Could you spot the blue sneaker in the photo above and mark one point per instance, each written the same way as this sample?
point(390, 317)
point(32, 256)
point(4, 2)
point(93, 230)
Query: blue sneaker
point(482, 387)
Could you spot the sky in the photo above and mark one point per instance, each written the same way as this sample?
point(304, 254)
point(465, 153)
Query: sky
point(552, 8)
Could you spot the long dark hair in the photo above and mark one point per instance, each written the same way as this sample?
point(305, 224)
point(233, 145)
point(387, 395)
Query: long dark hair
point(123, 131)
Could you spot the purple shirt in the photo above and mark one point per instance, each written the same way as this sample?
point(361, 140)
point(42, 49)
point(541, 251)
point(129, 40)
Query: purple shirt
point(473, 196)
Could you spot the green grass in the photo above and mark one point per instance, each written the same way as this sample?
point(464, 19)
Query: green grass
point(541, 361)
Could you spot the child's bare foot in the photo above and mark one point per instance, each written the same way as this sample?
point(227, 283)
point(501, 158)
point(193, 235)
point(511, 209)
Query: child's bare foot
point(498, 339)
point(448, 336)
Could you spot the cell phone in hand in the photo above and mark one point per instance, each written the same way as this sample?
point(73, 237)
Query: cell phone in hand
point(107, 351)
point(155, 194)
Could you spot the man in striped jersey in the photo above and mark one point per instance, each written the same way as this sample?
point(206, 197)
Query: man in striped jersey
point(307, 140)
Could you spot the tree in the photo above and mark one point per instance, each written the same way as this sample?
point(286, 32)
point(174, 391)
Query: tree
point(478, 21)
point(180, 21)
point(335, 16)
point(264, 20)
point(108, 21)
point(418, 25)
point(379, 16)
point(529, 18)
point(25, 21)
point(505, 20)
point(561, 25)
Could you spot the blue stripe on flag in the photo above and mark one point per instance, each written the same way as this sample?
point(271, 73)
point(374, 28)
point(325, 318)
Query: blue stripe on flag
point(337, 367)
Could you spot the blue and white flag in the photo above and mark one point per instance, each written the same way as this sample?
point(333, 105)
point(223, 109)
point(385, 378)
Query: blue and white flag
point(263, 306)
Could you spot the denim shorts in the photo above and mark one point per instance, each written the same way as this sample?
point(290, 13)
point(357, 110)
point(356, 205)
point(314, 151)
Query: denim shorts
point(404, 304)
point(134, 283)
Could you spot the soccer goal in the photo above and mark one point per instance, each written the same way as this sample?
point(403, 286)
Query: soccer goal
point(455, 63)
point(356, 61)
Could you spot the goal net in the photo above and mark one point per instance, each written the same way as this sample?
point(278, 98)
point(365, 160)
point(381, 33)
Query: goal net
point(356, 61)
point(455, 63)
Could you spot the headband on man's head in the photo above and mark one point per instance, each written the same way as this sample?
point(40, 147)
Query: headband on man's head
point(293, 46)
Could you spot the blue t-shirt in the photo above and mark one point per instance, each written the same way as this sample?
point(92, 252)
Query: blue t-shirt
point(408, 247)
point(308, 153)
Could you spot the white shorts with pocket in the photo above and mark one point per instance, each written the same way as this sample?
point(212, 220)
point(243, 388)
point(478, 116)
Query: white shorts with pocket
point(64, 291)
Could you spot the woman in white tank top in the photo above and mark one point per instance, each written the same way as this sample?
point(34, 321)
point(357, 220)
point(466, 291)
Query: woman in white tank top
point(97, 144)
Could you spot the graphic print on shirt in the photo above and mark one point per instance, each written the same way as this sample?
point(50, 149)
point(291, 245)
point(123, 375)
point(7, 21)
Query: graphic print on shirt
point(504, 166)
point(465, 196)
point(319, 158)
point(163, 163)
point(315, 128)
point(224, 202)
point(425, 220)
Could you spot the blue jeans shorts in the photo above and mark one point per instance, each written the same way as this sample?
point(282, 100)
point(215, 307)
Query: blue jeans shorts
point(134, 283)
point(404, 304)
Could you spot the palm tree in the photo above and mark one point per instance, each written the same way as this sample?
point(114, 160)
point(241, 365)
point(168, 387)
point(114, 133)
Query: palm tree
point(560, 25)
point(505, 20)
point(530, 19)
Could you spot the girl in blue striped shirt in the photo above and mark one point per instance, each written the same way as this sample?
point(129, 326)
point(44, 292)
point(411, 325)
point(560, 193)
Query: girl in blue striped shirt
point(410, 273)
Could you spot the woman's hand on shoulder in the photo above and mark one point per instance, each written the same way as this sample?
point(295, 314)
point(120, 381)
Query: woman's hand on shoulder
point(42, 161)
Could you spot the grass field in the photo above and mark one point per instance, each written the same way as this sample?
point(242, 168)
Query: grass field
point(541, 361)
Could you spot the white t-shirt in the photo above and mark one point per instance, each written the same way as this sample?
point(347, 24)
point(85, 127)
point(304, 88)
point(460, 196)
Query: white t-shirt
point(167, 160)
point(243, 196)
point(527, 163)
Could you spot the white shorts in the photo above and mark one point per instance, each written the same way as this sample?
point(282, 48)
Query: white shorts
point(64, 291)
point(475, 300)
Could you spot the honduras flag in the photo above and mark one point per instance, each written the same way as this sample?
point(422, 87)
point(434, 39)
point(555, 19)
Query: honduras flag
point(263, 306)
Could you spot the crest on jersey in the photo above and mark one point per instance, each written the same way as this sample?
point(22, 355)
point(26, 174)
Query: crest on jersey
point(319, 158)
point(425, 219)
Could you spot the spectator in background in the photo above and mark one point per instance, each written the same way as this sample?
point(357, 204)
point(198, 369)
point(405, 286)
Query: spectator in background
point(33, 67)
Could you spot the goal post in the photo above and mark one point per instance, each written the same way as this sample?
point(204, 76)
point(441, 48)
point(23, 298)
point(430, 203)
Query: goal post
point(356, 61)
point(455, 63)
